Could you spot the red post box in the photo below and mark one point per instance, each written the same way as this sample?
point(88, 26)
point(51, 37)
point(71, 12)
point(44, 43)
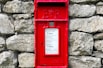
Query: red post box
point(51, 33)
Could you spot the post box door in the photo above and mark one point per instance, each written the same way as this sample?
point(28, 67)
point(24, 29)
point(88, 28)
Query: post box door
point(51, 43)
point(51, 33)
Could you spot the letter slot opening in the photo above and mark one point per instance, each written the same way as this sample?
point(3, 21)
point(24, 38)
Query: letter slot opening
point(51, 4)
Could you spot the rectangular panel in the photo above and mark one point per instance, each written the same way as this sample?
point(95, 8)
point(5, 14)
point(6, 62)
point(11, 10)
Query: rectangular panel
point(51, 12)
point(51, 41)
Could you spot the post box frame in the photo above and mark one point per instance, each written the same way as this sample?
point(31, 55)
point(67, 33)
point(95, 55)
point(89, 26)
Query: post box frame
point(65, 20)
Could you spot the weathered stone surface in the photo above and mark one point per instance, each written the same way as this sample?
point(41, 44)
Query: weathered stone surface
point(4, 1)
point(80, 43)
point(98, 36)
point(26, 60)
point(2, 47)
point(77, 10)
point(98, 54)
point(23, 42)
point(79, 1)
point(8, 59)
point(24, 25)
point(99, 45)
point(99, 3)
point(17, 6)
point(22, 16)
point(2, 43)
point(0, 7)
point(84, 62)
point(12, 6)
point(6, 26)
point(28, 7)
point(93, 24)
point(99, 9)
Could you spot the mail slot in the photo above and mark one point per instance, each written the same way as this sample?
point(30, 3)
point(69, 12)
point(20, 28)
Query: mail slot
point(51, 33)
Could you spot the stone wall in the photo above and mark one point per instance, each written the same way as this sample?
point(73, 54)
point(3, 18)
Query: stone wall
point(86, 34)
point(17, 39)
point(16, 34)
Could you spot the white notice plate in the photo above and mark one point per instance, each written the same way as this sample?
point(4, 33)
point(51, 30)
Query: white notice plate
point(51, 41)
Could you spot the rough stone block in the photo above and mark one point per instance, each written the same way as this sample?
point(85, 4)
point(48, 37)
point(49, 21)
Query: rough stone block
point(84, 62)
point(6, 26)
point(81, 1)
point(77, 10)
point(99, 45)
point(25, 26)
point(26, 60)
point(99, 9)
point(17, 6)
point(98, 36)
point(98, 54)
point(22, 42)
point(90, 25)
point(8, 59)
point(22, 16)
point(2, 43)
point(80, 43)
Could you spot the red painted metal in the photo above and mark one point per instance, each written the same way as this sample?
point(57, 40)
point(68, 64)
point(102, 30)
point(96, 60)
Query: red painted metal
point(51, 66)
point(58, 1)
point(47, 11)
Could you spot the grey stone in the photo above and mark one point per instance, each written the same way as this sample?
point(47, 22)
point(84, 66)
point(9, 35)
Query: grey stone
point(22, 42)
point(84, 62)
point(12, 6)
point(98, 36)
point(26, 60)
point(91, 25)
point(22, 16)
point(79, 1)
point(99, 9)
point(8, 59)
point(77, 10)
point(24, 25)
point(2, 47)
point(28, 7)
point(80, 43)
point(99, 45)
point(0, 7)
point(2, 43)
point(4, 1)
point(99, 4)
point(98, 54)
point(6, 26)
point(17, 6)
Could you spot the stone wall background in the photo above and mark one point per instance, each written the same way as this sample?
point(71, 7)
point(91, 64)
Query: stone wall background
point(17, 40)
point(86, 34)
point(16, 34)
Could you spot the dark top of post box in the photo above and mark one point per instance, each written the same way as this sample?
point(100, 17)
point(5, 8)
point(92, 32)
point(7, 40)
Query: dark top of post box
point(56, 1)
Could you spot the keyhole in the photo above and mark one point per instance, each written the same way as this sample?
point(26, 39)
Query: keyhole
point(51, 24)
